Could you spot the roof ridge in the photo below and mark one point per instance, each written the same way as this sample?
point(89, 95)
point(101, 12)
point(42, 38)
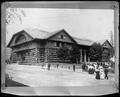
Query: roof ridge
point(57, 31)
point(35, 29)
point(82, 39)
point(52, 33)
point(101, 41)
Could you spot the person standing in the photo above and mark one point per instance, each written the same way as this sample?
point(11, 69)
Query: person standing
point(102, 74)
point(106, 72)
point(97, 73)
point(74, 68)
point(83, 67)
point(57, 66)
point(89, 68)
point(48, 66)
point(95, 66)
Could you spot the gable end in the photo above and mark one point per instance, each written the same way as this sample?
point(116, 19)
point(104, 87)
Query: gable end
point(61, 37)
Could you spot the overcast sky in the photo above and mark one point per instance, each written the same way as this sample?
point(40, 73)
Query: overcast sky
point(92, 24)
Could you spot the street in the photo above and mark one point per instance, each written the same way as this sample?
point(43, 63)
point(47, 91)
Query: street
point(35, 76)
point(77, 83)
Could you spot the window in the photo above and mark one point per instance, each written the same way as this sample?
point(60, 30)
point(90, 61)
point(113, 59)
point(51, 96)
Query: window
point(65, 44)
point(57, 44)
point(20, 38)
point(62, 44)
point(62, 36)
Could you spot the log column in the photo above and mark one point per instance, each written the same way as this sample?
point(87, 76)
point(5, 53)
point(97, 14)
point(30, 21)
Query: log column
point(37, 55)
point(46, 55)
point(84, 55)
point(81, 55)
point(88, 59)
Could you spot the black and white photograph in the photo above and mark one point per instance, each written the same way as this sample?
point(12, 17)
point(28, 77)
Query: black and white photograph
point(61, 47)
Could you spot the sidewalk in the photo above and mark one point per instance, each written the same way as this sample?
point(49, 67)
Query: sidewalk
point(69, 91)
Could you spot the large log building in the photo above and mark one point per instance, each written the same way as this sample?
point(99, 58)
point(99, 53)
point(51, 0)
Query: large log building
point(38, 46)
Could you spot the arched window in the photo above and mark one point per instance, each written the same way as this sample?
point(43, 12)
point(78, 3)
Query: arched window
point(20, 39)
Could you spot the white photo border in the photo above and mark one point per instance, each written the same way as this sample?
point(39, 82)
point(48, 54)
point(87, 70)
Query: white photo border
point(57, 4)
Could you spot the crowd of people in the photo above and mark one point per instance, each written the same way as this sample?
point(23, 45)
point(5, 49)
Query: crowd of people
point(100, 71)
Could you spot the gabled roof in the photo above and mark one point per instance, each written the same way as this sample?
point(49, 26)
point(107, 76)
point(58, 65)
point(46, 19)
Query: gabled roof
point(103, 42)
point(37, 33)
point(41, 34)
point(54, 33)
point(100, 41)
point(107, 42)
point(57, 32)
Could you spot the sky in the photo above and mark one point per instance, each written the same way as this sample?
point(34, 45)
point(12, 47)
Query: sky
point(92, 24)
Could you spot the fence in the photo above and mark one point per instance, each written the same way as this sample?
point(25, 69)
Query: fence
point(66, 65)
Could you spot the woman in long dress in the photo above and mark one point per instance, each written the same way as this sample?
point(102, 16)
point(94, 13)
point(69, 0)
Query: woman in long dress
point(95, 66)
point(90, 69)
point(102, 74)
point(97, 73)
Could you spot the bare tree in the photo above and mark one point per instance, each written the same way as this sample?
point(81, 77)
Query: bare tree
point(13, 14)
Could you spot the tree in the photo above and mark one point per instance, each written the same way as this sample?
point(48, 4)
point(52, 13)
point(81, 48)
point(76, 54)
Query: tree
point(63, 53)
point(95, 52)
point(12, 14)
point(107, 54)
point(75, 54)
point(66, 54)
